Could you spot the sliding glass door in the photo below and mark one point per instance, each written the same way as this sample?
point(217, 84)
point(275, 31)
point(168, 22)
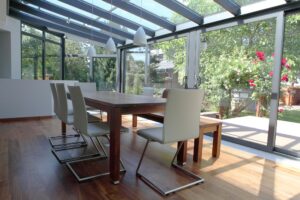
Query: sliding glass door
point(288, 123)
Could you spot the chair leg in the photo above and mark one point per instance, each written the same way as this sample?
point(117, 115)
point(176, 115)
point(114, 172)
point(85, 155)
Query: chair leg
point(81, 179)
point(141, 159)
point(62, 161)
point(197, 178)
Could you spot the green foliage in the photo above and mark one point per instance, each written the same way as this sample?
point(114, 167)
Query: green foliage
point(105, 73)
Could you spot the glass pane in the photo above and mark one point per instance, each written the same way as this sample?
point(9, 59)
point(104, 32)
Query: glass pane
point(203, 7)
point(247, 2)
point(167, 65)
point(31, 58)
point(288, 124)
point(104, 73)
point(32, 30)
point(236, 73)
point(52, 37)
point(76, 62)
point(135, 70)
point(52, 61)
point(162, 11)
point(135, 18)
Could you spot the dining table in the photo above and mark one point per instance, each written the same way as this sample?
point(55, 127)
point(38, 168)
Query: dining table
point(116, 104)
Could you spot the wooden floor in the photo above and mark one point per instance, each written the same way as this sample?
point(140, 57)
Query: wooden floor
point(28, 170)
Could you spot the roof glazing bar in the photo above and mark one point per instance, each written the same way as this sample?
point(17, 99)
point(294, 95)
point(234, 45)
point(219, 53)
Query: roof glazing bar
point(140, 12)
point(60, 21)
point(182, 10)
point(88, 7)
point(62, 11)
point(230, 5)
point(33, 20)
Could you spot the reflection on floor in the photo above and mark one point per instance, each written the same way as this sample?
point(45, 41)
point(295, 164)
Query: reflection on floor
point(255, 129)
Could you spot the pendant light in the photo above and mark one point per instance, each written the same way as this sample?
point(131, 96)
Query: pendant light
point(91, 51)
point(110, 44)
point(140, 37)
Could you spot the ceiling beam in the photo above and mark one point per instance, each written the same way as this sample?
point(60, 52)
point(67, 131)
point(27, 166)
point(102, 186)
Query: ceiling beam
point(230, 5)
point(182, 10)
point(140, 12)
point(88, 7)
point(84, 19)
point(60, 21)
point(36, 21)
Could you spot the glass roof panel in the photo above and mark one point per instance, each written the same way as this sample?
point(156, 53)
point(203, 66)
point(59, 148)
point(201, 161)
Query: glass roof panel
point(247, 2)
point(135, 18)
point(203, 7)
point(160, 10)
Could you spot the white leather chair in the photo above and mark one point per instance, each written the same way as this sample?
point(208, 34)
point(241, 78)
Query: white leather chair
point(91, 130)
point(89, 87)
point(61, 142)
point(181, 123)
point(66, 115)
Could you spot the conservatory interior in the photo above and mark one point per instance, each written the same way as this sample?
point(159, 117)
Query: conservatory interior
point(138, 66)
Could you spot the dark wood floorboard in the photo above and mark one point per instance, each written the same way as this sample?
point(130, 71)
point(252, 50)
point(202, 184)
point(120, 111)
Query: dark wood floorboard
point(28, 170)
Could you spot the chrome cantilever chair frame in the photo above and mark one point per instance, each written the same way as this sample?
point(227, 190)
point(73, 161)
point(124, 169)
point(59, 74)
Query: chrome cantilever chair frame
point(198, 179)
point(64, 116)
point(82, 127)
point(190, 101)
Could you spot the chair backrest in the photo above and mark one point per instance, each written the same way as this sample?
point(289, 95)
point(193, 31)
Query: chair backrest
point(62, 102)
point(87, 86)
point(182, 113)
point(80, 116)
point(55, 98)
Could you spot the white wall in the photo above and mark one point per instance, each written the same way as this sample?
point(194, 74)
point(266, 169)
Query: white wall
point(26, 98)
point(12, 26)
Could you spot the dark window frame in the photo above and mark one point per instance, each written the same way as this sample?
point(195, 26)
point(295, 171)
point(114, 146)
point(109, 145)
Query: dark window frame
point(44, 40)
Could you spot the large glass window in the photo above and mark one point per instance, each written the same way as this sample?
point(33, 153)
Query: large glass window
point(288, 123)
point(158, 66)
point(236, 73)
point(31, 58)
point(41, 54)
point(104, 73)
point(76, 61)
point(135, 70)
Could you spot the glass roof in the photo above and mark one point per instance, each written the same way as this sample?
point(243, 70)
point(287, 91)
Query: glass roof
point(125, 23)
point(203, 7)
point(160, 10)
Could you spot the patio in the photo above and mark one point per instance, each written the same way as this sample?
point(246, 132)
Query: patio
point(255, 129)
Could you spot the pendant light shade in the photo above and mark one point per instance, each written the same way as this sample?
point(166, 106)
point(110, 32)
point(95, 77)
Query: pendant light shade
point(91, 51)
point(110, 45)
point(140, 37)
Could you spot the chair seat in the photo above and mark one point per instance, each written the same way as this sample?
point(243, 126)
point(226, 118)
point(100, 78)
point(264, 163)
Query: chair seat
point(98, 129)
point(101, 128)
point(153, 134)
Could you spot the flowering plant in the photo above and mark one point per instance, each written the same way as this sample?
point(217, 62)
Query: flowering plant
point(261, 80)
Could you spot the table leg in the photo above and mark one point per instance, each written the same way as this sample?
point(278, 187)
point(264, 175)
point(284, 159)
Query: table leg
point(114, 158)
point(181, 157)
point(134, 120)
point(217, 142)
point(63, 128)
point(198, 147)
